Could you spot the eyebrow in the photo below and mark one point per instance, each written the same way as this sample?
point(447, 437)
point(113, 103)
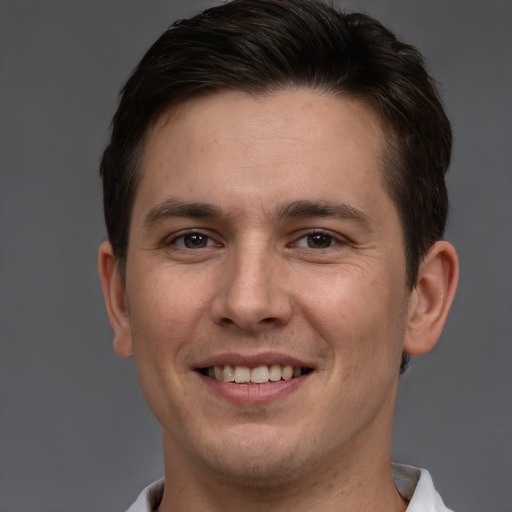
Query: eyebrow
point(174, 208)
point(306, 208)
point(295, 209)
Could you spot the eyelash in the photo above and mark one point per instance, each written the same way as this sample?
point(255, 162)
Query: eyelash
point(330, 240)
point(183, 236)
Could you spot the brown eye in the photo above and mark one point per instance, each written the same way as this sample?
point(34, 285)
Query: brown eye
point(319, 241)
point(195, 241)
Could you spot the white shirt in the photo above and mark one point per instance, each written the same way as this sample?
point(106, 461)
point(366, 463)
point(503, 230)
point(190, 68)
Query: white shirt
point(415, 485)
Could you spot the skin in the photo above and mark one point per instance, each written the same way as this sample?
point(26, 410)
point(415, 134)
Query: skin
point(298, 256)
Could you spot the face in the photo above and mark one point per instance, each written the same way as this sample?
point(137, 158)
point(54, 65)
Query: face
point(264, 248)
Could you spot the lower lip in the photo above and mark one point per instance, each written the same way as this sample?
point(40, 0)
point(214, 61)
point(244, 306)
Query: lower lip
point(253, 393)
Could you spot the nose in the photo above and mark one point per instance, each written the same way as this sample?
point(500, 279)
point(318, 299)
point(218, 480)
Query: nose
point(252, 292)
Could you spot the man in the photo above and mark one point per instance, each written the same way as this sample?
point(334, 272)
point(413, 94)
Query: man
point(275, 203)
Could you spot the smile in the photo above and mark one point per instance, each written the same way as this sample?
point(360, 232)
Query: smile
point(258, 375)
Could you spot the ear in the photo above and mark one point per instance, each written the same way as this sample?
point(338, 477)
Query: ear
point(431, 298)
point(115, 300)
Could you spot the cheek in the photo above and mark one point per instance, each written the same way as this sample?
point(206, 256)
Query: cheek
point(165, 314)
point(360, 317)
point(165, 311)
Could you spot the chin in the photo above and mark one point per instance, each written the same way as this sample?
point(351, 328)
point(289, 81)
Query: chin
point(257, 456)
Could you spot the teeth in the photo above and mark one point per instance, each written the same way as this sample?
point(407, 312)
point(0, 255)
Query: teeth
point(242, 374)
point(287, 373)
point(275, 373)
point(218, 373)
point(228, 374)
point(258, 375)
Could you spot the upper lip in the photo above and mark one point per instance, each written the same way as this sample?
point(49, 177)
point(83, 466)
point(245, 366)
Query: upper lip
point(253, 360)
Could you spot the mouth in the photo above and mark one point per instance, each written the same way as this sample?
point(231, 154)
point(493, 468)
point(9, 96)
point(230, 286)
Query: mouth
point(258, 375)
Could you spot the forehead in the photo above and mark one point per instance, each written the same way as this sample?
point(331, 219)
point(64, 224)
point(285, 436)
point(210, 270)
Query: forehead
point(290, 141)
point(283, 112)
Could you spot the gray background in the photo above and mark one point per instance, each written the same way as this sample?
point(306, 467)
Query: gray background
point(75, 434)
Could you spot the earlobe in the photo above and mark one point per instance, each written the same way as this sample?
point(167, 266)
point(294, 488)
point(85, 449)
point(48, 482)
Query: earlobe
point(431, 298)
point(114, 294)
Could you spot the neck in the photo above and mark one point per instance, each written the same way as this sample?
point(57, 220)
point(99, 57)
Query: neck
point(348, 484)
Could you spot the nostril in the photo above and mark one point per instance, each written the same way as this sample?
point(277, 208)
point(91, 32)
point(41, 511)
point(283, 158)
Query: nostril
point(250, 311)
point(264, 322)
